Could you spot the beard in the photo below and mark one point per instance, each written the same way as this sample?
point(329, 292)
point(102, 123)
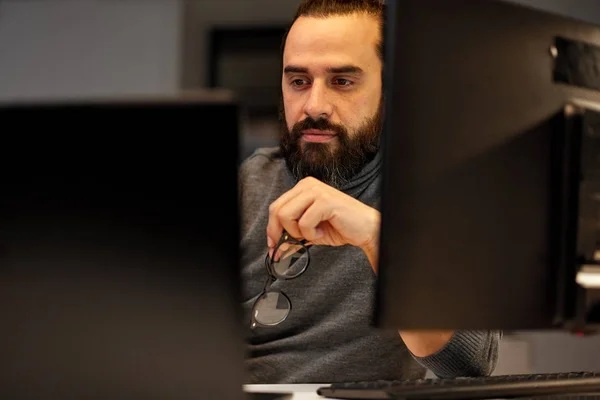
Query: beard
point(332, 164)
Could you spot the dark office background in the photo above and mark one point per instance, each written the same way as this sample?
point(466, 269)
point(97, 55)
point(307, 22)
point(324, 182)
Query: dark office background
point(83, 48)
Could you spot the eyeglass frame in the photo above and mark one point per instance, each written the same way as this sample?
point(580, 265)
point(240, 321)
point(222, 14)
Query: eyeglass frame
point(272, 276)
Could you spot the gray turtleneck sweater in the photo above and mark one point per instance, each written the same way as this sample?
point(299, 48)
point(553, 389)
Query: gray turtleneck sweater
point(328, 337)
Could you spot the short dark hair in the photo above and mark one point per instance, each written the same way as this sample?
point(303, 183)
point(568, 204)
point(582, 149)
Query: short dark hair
point(326, 8)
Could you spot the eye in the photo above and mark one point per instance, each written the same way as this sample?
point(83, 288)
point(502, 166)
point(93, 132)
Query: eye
point(343, 82)
point(298, 82)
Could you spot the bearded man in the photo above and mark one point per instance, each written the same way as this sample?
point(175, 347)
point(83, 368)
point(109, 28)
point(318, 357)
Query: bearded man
point(310, 220)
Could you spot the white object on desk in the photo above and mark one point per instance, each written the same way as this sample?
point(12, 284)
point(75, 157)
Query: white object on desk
point(303, 391)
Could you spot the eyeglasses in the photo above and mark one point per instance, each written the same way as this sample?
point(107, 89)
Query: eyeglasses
point(290, 259)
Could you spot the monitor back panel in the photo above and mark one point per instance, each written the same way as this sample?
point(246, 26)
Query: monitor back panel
point(470, 215)
point(118, 249)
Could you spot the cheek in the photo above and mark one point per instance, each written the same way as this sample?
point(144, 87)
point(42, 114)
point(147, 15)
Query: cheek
point(289, 117)
point(292, 110)
point(366, 107)
point(355, 111)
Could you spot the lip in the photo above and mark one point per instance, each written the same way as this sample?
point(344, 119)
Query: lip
point(315, 132)
point(317, 136)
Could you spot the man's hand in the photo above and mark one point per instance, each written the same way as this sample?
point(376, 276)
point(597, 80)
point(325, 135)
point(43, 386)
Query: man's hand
point(323, 215)
point(317, 212)
point(425, 343)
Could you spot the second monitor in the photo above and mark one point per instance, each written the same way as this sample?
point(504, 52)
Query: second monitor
point(489, 212)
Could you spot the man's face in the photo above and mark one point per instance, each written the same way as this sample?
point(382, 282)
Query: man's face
point(332, 96)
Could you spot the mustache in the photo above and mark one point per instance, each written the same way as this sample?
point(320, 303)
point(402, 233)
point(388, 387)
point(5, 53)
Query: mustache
point(320, 124)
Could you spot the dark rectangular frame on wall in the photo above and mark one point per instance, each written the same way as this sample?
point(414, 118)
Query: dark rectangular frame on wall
point(260, 90)
point(239, 38)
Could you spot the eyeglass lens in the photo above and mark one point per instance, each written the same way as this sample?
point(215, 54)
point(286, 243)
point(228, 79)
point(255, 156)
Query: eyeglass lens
point(289, 260)
point(271, 308)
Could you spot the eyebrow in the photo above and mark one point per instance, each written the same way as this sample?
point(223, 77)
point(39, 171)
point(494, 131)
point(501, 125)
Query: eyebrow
point(345, 69)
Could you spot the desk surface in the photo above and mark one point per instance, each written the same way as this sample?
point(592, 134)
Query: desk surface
point(298, 391)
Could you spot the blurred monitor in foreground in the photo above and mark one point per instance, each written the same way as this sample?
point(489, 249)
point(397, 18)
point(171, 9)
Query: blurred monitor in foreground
point(119, 245)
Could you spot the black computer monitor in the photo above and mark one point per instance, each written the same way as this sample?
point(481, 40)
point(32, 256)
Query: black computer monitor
point(119, 237)
point(490, 212)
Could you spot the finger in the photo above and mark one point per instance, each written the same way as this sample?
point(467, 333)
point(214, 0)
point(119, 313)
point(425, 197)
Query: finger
point(274, 227)
point(286, 250)
point(310, 221)
point(300, 187)
point(288, 215)
point(274, 231)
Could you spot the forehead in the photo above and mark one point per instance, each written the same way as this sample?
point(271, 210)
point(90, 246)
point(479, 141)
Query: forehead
point(335, 40)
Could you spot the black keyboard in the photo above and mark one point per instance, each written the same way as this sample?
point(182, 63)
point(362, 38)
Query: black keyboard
point(556, 385)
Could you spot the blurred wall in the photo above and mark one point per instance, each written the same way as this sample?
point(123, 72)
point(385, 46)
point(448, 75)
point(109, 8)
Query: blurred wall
point(587, 10)
point(52, 48)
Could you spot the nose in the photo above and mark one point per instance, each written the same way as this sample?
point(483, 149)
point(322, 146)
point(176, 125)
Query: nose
point(318, 104)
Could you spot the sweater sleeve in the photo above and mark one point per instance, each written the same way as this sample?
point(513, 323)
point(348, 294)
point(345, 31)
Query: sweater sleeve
point(467, 354)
